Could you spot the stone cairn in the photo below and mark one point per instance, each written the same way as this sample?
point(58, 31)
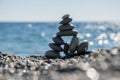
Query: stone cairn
point(71, 49)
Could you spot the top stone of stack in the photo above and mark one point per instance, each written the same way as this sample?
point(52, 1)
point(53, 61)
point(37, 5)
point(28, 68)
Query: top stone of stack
point(66, 16)
point(66, 19)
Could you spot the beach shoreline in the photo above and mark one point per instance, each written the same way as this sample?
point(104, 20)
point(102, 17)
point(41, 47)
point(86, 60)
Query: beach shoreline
point(99, 65)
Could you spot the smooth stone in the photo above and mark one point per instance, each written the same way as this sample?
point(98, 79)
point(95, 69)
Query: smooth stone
point(9, 59)
point(52, 54)
point(65, 16)
point(19, 66)
point(67, 33)
point(4, 54)
point(55, 47)
point(66, 48)
point(82, 48)
point(58, 40)
point(2, 64)
point(66, 21)
point(74, 44)
point(66, 27)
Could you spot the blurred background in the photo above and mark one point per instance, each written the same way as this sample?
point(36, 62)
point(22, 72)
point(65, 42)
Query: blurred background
point(27, 26)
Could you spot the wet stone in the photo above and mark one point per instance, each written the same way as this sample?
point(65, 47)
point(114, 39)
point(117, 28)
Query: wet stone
point(67, 27)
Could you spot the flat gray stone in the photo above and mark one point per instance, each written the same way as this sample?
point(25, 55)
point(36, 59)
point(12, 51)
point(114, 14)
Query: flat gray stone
point(66, 48)
point(66, 21)
point(74, 44)
point(82, 48)
point(65, 16)
point(66, 27)
point(58, 40)
point(55, 47)
point(67, 33)
point(52, 54)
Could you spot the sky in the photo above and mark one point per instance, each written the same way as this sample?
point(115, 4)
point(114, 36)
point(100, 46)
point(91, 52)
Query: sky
point(53, 10)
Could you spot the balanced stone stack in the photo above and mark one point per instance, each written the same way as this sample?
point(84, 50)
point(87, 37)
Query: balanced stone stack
point(71, 49)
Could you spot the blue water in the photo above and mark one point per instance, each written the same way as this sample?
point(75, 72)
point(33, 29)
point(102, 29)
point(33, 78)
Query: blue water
point(26, 39)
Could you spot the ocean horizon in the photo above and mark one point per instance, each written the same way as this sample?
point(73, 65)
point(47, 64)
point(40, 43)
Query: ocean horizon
point(32, 38)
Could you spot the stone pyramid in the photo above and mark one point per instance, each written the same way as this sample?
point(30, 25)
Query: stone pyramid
point(71, 49)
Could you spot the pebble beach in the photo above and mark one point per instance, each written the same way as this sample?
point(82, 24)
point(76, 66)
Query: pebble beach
point(101, 64)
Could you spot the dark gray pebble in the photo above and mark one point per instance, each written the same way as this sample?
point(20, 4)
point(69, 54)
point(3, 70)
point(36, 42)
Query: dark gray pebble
point(65, 16)
point(66, 21)
point(55, 47)
point(69, 55)
point(58, 40)
point(52, 54)
point(74, 44)
point(66, 27)
point(82, 48)
point(66, 48)
point(67, 33)
point(19, 66)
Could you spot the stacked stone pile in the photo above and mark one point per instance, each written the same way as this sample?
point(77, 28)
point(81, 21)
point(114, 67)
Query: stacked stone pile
point(71, 49)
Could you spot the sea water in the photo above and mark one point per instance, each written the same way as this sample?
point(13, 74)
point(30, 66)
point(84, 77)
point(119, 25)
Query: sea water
point(29, 38)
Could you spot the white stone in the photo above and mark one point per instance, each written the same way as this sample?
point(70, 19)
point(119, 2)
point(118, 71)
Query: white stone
point(84, 65)
point(92, 74)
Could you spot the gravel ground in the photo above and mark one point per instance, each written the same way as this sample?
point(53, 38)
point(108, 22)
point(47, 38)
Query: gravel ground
point(102, 64)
